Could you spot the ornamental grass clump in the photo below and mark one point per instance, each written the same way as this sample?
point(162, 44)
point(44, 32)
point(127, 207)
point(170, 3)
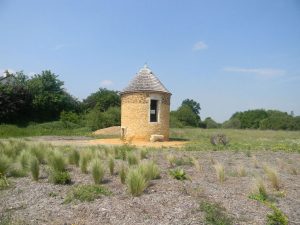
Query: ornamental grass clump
point(149, 170)
point(136, 182)
point(273, 177)
point(111, 165)
point(74, 157)
point(34, 168)
point(97, 171)
point(4, 168)
point(220, 171)
point(132, 159)
point(123, 173)
point(83, 162)
point(24, 159)
point(260, 192)
point(143, 153)
point(58, 172)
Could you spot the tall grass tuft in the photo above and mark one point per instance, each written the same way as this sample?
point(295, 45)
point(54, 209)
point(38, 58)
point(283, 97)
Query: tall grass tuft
point(136, 182)
point(56, 161)
point(24, 159)
point(4, 164)
point(220, 171)
point(171, 159)
point(123, 173)
point(241, 171)
point(83, 162)
point(132, 159)
point(149, 170)
point(273, 176)
point(111, 165)
point(260, 193)
point(40, 151)
point(255, 162)
point(196, 164)
point(97, 171)
point(34, 168)
point(74, 157)
point(143, 153)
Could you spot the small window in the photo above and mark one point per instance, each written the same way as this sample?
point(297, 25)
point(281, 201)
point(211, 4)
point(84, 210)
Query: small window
point(153, 111)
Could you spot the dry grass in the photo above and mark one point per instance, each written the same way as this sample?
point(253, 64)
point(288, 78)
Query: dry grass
point(273, 176)
point(197, 164)
point(220, 171)
point(255, 161)
point(241, 171)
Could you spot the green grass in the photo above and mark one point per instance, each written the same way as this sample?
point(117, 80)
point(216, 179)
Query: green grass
point(86, 193)
point(215, 214)
point(136, 182)
point(178, 174)
point(241, 140)
point(97, 171)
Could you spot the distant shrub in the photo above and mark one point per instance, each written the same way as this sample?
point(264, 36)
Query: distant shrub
point(178, 174)
point(97, 171)
point(67, 117)
point(136, 183)
point(34, 168)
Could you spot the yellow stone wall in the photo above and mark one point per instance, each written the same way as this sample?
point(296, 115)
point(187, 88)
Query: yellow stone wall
point(135, 115)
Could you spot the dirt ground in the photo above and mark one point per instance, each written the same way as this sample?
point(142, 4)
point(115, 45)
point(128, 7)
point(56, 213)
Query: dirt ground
point(166, 200)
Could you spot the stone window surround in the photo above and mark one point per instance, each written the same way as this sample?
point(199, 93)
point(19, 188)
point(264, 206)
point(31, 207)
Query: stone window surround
point(159, 100)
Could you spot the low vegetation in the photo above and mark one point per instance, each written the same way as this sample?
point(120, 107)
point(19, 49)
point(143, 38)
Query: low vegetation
point(136, 182)
point(178, 174)
point(215, 214)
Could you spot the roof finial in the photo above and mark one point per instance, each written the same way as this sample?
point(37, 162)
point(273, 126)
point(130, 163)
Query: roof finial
point(146, 65)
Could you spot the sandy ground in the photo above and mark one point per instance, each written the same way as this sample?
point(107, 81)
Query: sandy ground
point(166, 200)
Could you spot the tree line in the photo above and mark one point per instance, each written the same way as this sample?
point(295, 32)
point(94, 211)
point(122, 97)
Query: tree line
point(43, 98)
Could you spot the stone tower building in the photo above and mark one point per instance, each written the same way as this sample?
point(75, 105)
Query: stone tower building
point(145, 108)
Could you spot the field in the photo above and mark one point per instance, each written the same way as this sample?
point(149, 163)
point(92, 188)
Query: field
point(237, 177)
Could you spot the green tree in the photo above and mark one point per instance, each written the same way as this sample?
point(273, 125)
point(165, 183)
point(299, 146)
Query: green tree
point(195, 106)
point(187, 116)
point(103, 99)
point(210, 123)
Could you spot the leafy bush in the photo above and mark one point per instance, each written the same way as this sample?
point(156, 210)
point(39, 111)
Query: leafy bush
point(277, 217)
point(34, 168)
point(149, 170)
point(69, 117)
point(97, 171)
point(178, 174)
point(215, 214)
point(86, 193)
point(136, 182)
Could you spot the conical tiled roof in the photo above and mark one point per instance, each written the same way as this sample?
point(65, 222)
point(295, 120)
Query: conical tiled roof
point(145, 81)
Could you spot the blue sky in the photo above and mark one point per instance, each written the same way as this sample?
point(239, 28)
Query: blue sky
point(228, 55)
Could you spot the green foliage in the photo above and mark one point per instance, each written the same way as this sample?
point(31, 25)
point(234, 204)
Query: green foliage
point(86, 193)
point(102, 99)
point(56, 161)
point(83, 162)
point(24, 159)
point(233, 123)
point(195, 106)
point(69, 117)
point(149, 170)
point(136, 183)
point(187, 117)
point(97, 171)
point(143, 153)
point(34, 168)
point(261, 195)
point(60, 177)
point(277, 217)
point(4, 164)
point(122, 151)
point(178, 174)
point(210, 123)
point(215, 214)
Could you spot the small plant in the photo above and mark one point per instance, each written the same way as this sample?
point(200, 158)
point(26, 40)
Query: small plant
point(111, 164)
point(215, 214)
point(178, 174)
point(293, 171)
point(60, 177)
point(277, 217)
point(255, 162)
point(171, 159)
point(196, 164)
point(123, 173)
point(241, 171)
point(136, 182)
point(52, 194)
point(273, 177)
point(83, 163)
point(217, 139)
point(220, 171)
point(261, 193)
point(74, 157)
point(143, 153)
point(97, 171)
point(34, 168)
point(180, 161)
point(86, 193)
point(149, 170)
point(248, 153)
point(56, 161)
point(132, 159)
